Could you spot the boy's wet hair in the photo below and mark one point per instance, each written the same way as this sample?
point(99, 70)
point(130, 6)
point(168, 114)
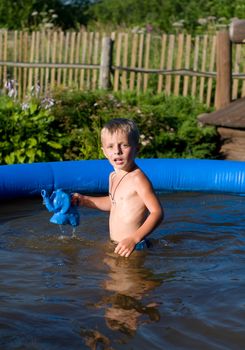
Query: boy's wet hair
point(127, 126)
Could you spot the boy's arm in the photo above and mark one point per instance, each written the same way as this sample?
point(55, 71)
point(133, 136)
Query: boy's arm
point(101, 203)
point(148, 196)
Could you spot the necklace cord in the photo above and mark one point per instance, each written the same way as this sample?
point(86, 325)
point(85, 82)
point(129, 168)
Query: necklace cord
point(113, 195)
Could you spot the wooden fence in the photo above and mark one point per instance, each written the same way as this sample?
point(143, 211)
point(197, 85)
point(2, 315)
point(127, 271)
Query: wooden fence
point(37, 62)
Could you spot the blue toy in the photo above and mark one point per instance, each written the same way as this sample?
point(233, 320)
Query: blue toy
point(60, 203)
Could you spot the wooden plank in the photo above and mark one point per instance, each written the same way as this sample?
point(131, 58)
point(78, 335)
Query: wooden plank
point(60, 56)
point(211, 69)
point(243, 83)
point(53, 59)
point(118, 61)
point(42, 70)
point(65, 58)
point(140, 61)
point(187, 64)
point(1, 54)
point(95, 60)
point(36, 72)
point(48, 52)
point(74, 65)
point(77, 57)
point(236, 70)
point(5, 54)
point(178, 63)
point(195, 66)
point(19, 58)
point(25, 50)
point(89, 59)
point(84, 50)
point(31, 59)
point(203, 67)
point(147, 59)
point(223, 85)
point(170, 63)
point(133, 61)
point(71, 58)
point(162, 62)
point(15, 54)
point(105, 61)
point(125, 62)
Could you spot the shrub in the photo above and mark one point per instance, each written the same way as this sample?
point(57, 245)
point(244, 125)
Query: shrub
point(27, 134)
point(70, 129)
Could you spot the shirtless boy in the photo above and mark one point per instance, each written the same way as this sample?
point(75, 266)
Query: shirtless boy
point(135, 210)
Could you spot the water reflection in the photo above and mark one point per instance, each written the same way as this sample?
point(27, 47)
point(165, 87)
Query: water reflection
point(129, 283)
point(126, 299)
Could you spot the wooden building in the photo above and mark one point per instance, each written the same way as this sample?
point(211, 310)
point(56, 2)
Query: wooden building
point(229, 117)
point(230, 123)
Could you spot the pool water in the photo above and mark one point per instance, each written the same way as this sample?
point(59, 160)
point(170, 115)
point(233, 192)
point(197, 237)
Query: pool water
point(185, 292)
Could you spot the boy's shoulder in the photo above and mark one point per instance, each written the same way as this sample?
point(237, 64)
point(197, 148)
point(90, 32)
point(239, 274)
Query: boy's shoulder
point(139, 175)
point(111, 175)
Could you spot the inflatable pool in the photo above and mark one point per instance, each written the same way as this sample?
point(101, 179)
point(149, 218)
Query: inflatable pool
point(91, 176)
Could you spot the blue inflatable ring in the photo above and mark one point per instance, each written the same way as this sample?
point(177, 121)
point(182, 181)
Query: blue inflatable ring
point(91, 176)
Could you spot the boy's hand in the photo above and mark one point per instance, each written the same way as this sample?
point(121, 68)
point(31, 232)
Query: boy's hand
point(77, 199)
point(125, 247)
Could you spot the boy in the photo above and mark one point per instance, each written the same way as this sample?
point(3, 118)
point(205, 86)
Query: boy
point(134, 208)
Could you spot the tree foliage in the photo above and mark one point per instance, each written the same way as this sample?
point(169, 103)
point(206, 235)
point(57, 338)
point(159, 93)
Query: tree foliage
point(34, 14)
point(166, 15)
point(162, 14)
point(15, 14)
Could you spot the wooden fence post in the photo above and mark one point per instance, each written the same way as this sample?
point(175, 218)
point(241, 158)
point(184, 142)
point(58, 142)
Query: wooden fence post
point(237, 31)
point(105, 63)
point(224, 62)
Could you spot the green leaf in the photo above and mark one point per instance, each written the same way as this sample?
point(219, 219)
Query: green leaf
point(30, 153)
point(33, 108)
point(54, 144)
point(32, 142)
point(10, 158)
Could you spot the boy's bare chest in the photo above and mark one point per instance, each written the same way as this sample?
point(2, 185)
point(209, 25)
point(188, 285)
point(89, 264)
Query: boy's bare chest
point(121, 191)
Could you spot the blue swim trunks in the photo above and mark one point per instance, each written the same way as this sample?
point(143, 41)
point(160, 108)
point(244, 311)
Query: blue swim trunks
point(145, 243)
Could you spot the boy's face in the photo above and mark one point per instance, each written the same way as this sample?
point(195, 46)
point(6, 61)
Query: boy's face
point(119, 149)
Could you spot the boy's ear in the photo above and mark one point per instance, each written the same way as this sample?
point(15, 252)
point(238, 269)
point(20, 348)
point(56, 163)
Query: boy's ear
point(103, 151)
